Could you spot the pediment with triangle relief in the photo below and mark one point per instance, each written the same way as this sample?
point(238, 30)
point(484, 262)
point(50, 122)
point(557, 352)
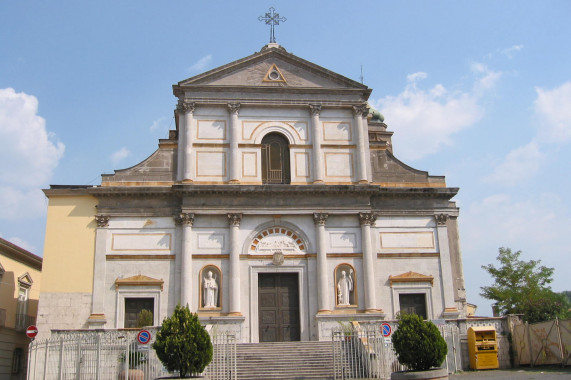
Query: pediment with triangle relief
point(273, 67)
point(411, 277)
point(138, 280)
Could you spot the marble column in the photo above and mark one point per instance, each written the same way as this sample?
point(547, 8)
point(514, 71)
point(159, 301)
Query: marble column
point(234, 283)
point(367, 220)
point(315, 110)
point(445, 265)
point(184, 160)
point(359, 112)
point(97, 318)
point(234, 136)
point(322, 267)
point(187, 220)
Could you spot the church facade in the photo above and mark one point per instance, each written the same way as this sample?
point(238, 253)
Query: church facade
point(276, 209)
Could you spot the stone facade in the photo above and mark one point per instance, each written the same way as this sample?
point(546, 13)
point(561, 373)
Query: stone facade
point(278, 175)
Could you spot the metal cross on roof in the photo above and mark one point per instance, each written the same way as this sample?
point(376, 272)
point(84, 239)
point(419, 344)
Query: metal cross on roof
point(272, 19)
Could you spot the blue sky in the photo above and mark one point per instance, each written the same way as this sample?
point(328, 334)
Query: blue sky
point(478, 91)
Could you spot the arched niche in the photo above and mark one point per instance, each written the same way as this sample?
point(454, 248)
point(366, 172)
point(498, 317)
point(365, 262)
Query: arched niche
point(210, 296)
point(345, 286)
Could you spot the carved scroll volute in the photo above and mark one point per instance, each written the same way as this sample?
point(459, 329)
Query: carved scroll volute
point(185, 107)
point(185, 219)
point(315, 109)
point(361, 110)
point(320, 218)
point(441, 219)
point(234, 219)
point(234, 108)
point(367, 218)
point(102, 220)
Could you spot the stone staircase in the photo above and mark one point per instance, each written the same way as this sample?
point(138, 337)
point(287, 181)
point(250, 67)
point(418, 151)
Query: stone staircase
point(285, 360)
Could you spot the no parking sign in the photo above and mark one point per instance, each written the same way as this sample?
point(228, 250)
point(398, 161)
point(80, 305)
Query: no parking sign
point(386, 330)
point(144, 336)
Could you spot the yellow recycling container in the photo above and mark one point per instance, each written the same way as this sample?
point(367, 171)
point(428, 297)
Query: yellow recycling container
point(483, 347)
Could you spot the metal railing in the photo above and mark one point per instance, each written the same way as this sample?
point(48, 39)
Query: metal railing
point(115, 354)
point(363, 353)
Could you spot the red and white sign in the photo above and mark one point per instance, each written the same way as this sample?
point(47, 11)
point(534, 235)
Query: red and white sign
point(386, 330)
point(32, 331)
point(144, 336)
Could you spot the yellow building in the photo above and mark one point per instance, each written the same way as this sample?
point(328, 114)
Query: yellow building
point(20, 274)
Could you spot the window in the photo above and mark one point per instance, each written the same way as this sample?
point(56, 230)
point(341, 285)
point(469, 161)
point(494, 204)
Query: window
point(22, 319)
point(133, 306)
point(275, 159)
point(414, 303)
point(16, 361)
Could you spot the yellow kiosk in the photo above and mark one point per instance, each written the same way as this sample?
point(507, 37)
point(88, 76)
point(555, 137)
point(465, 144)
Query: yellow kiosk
point(483, 347)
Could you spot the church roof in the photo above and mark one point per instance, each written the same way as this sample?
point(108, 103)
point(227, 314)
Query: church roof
point(271, 70)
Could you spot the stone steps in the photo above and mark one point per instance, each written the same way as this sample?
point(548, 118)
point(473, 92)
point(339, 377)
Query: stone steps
point(285, 360)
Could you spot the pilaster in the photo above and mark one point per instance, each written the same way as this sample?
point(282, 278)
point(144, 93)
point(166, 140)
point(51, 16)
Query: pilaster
point(359, 112)
point(322, 269)
point(234, 270)
point(315, 110)
point(97, 318)
point(447, 282)
point(184, 160)
point(234, 109)
point(367, 220)
point(186, 220)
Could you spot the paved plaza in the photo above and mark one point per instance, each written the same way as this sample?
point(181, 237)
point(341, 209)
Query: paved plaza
point(540, 373)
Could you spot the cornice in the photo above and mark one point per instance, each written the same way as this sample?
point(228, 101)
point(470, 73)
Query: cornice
point(20, 254)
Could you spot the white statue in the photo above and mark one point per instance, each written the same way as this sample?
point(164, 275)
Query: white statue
point(344, 288)
point(210, 290)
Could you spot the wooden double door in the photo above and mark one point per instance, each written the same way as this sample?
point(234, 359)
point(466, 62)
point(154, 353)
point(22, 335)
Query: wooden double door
point(278, 303)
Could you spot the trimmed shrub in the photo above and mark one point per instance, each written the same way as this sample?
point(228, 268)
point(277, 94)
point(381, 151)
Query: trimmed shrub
point(145, 318)
point(182, 344)
point(418, 343)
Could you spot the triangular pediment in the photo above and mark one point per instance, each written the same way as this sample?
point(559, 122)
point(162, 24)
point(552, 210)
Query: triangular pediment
point(139, 280)
point(272, 67)
point(411, 277)
point(25, 280)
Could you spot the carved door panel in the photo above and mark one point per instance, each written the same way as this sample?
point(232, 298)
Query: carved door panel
point(278, 302)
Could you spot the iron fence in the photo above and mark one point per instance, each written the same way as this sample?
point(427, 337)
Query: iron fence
point(114, 354)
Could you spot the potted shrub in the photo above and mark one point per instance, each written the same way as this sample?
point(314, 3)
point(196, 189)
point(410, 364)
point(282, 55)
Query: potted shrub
point(420, 347)
point(182, 344)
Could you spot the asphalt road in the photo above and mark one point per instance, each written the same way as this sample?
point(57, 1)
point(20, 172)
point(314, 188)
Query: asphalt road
point(539, 373)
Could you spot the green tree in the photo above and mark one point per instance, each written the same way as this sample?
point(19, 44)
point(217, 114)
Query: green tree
point(182, 344)
point(144, 318)
point(418, 343)
point(521, 287)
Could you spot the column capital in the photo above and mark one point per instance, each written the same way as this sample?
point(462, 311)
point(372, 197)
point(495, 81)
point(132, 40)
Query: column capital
point(320, 218)
point(367, 218)
point(315, 109)
point(234, 108)
point(185, 219)
point(361, 110)
point(185, 107)
point(102, 220)
point(441, 219)
point(234, 219)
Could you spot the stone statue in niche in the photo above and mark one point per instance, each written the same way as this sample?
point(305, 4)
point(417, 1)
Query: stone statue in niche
point(344, 288)
point(210, 290)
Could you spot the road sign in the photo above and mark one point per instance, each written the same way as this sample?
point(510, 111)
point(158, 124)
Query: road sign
point(386, 329)
point(144, 336)
point(32, 331)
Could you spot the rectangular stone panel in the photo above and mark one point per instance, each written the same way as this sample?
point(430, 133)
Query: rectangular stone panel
point(210, 240)
point(336, 131)
point(210, 164)
point(339, 165)
point(211, 130)
point(343, 240)
point(301, 164)
point(407, 240)
point(151, 242)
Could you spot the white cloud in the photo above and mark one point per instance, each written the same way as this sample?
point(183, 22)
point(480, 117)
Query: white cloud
point(519, 165)
point(427, 119)
point(509, 52)
point(19, 203)
point(201, 64)
point(159, 124)
point(119, 155)
point(553, 109)
point(28, 152)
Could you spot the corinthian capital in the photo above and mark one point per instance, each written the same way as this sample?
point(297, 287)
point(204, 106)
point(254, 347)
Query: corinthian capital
point(234, 108)
point(315, 109)
point(185, 219)
point(367, 218)
point(234, 219)
point(320, 218)
point(102, 220)
point(185, 107)
point(441, 219)
point(361, 110)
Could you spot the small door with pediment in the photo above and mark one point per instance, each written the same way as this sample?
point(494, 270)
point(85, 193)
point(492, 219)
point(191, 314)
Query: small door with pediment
point(278, 303)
